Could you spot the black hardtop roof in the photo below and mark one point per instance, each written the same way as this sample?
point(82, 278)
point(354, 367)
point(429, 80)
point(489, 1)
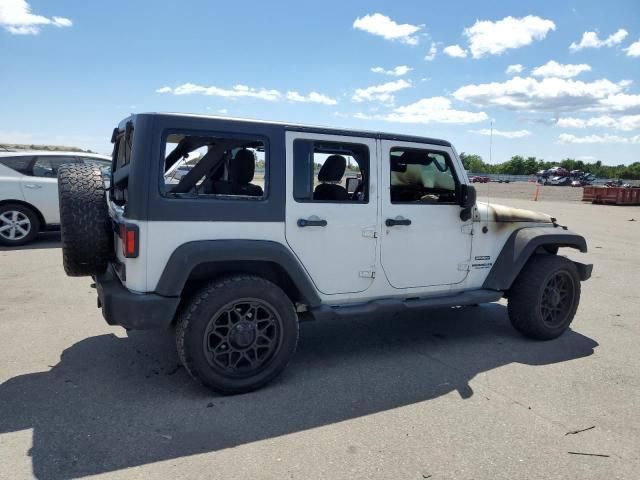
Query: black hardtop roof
point(300, 128)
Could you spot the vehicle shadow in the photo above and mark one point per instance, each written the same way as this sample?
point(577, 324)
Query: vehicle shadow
point(112, 403)
point(43, 240)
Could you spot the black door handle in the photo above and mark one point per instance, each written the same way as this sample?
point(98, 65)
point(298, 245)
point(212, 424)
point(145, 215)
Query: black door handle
point(391, 222)
point(303, 222)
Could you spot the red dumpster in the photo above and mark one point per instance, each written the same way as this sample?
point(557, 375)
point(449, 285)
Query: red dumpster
point(611, 195)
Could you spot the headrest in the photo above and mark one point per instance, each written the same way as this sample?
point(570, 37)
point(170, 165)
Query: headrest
point(333, 169)
point(242, 167)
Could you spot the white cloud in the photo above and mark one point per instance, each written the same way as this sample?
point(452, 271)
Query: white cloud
point(549, 94)
point(239, 90)
point(621, 102)
point(503, 133)
point(223, 111)
point(455, 51)
point(383, 93)
point(568, 138)
point(235, 92)
point(555, 69)
point(633, 50)
point(313, 97)
point(398, 71)
point(591, 40)
point(493, 38)
point(16, 18)
point(514, 69)
point(428, 110)
point(433, 50)
point(378, 24)
point(624, 122)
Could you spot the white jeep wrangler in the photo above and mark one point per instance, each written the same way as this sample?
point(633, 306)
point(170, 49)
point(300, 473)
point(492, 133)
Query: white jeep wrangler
point(261, 230)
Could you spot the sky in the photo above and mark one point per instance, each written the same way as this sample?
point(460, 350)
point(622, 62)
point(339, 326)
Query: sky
point(553, 79)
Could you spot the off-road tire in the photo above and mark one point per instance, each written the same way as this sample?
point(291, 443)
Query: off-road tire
point(85, 226)
point(33, 220)
point(195, 320)
point(526, 304)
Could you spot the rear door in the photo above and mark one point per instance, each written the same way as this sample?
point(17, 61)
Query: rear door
point(424, 242)
point(12, 171)
point(331, 231)
point(41, 188)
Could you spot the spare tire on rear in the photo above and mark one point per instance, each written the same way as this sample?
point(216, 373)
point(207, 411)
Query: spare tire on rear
point(87, 236)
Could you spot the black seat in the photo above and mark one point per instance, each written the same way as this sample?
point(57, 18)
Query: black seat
point(329, 175)
point(241, 170)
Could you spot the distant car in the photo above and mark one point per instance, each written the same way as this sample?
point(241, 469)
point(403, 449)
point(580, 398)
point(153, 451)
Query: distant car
point(479, 179)
point(559, 181)
point(175, 174)
point(29, 191)
point(557, 172)
point(576, 183)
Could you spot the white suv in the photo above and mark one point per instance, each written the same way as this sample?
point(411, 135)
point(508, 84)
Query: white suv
point(263, 230)
point(29, 191)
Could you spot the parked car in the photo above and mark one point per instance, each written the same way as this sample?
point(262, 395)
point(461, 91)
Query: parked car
point(29, 191)
point(559, 181)
point(479, 179)
point(235, 264)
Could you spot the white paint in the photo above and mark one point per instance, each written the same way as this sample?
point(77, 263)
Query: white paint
point(42, 193)
point(10, 184)
point(333, 255)
point(427, 252)
point(420, 260)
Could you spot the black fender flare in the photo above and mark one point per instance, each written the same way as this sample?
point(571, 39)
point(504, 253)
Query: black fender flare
point(190, 255)
point(523, 243)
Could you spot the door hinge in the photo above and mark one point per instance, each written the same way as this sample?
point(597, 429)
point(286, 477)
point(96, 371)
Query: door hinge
point(464, 266)
point(369, 233)
point(467, 228)
point(367, 274)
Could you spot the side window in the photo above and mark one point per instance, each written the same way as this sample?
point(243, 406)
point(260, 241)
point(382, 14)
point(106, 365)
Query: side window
point(422, 176)
point(330, 172)
point(198, 165)
point(47, 165)
point(20, 164)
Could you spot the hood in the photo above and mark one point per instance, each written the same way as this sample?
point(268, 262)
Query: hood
point(494, 212)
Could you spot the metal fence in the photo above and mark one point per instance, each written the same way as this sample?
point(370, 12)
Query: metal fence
point(495, 177)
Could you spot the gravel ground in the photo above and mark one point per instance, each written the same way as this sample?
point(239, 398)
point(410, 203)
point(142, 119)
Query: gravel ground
point(452, 394)
point(526, 191)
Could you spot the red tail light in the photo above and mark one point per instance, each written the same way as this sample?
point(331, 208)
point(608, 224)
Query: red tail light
point(129, 237)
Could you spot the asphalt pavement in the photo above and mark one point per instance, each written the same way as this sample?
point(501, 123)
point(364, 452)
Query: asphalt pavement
point(449, 394)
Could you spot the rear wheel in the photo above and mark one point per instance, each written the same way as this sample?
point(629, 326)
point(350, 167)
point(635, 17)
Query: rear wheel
point(544, 298)
point(19, 224)
point(237, 334)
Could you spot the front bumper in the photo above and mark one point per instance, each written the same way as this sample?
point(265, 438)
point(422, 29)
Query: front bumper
point(133, 311)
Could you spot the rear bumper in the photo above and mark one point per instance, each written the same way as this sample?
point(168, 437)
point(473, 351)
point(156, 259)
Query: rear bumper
point(130, 310)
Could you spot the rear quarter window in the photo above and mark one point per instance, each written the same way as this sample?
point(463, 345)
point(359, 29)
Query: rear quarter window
point(20, 164)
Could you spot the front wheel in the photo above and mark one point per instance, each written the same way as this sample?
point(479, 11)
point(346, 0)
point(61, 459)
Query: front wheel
point(544, 298)
point(237, 334)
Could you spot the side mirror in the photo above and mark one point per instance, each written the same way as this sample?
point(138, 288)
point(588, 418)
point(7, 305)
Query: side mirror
point(467, 196)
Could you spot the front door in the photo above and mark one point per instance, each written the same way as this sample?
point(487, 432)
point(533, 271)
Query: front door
point(424, 243)
point(331, 228)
